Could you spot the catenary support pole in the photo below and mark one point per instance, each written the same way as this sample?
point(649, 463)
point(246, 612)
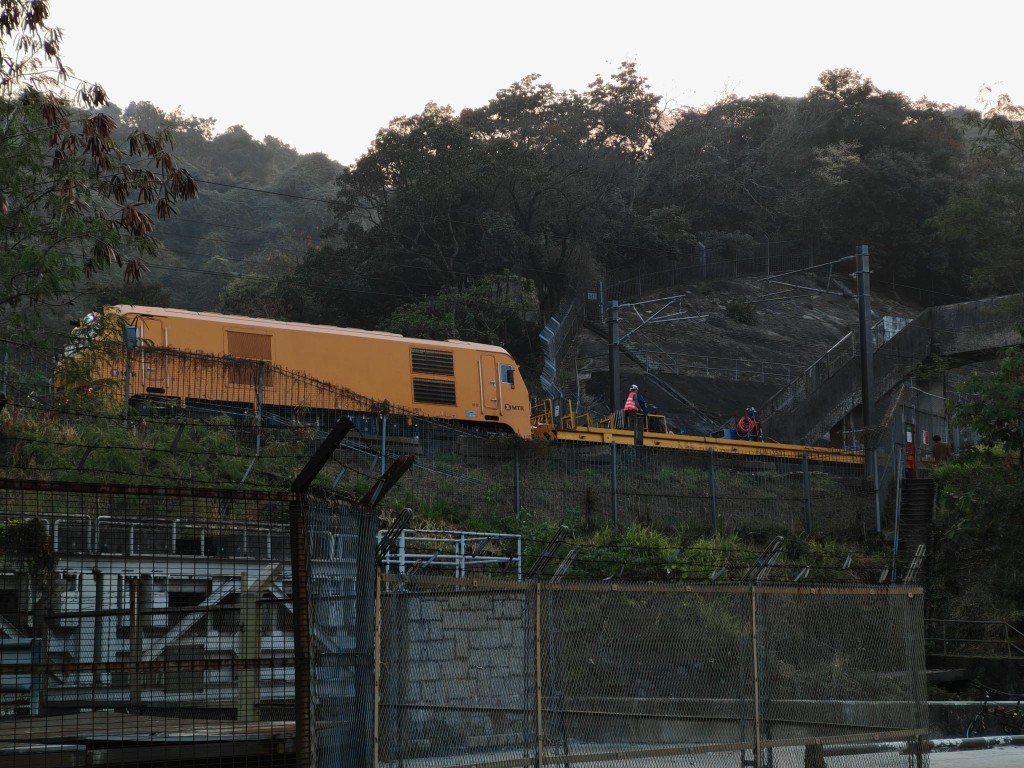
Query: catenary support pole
point(300, 588)
point(867, 373)
point(615, 487)
point(711, 490)
point(807, 493)
point(613, 357)
point(517, 491)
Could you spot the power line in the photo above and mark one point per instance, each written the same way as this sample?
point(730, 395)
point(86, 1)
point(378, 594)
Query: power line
point(263, 191)
point(472, 223)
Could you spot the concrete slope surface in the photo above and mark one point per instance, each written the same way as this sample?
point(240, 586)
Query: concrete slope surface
point(750, 336)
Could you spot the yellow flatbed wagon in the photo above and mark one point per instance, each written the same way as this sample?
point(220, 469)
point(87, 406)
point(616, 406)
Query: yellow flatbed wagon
point(577, 428)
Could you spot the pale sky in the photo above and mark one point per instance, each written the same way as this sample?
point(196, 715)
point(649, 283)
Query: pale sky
point(325, 75)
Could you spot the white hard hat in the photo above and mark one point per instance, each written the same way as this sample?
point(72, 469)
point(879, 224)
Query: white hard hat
point(634, 387)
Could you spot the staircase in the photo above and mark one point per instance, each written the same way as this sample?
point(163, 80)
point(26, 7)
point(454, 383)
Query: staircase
point(806, 408)
point(915, 526)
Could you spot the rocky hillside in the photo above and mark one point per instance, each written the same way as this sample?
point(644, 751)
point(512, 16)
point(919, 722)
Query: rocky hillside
point(733, 343)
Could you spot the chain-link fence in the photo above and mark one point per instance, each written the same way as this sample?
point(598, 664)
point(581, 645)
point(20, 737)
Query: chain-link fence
point(714, 262)
point(340, 631)
point(156, 623)
point(144, 625)
point(499, 673)
point(558, 333)
point(704, 263)
point(463, 476)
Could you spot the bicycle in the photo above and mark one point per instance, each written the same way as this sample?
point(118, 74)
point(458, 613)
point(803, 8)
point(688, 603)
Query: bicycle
point(998, 718)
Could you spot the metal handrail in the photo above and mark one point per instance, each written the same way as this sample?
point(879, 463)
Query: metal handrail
point(459, 551)
point(897, 466)
point(1012, 640)
point(829, 361)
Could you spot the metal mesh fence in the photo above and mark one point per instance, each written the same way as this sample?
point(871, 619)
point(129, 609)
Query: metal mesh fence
point(339, 658)
point(144, 625)
point(496, 673)
point(710, 264)
point(234, 431)
point(470, 477)
point(161, 629)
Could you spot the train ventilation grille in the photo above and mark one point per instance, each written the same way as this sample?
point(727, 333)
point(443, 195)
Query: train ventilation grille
point(433, 391)
point(433, 361)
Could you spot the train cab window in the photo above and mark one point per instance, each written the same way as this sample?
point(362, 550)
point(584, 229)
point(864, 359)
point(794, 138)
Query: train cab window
point(508, 375)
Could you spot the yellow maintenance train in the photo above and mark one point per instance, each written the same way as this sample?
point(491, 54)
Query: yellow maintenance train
point(461, 381)
point(476, 384)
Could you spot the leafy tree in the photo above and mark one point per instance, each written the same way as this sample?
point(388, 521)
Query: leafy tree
point(536, 183)
point(262, 200)
point(490, 310)
point(267, 291)
point(846, 164)
point(984, 222)
point(72, 199)
point(975, 571)
point(993, 404)
point(891, 166)
point(725, 165)
point(145, 293)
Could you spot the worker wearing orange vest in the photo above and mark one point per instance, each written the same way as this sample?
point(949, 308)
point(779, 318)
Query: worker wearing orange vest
point(635, 410)
point(749, 425)
point(635, 402)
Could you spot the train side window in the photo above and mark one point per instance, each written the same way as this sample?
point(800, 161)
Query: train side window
point(508, 375)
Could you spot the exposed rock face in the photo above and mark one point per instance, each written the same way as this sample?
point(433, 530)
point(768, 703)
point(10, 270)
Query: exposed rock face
point(703, 373)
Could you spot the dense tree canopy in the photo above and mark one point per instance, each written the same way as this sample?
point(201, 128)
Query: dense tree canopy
point(536, 183)
point(563, 188)
point(74, 196)
point(261, 201)
point(992, 405)
point(980, 521)
point(558, 188)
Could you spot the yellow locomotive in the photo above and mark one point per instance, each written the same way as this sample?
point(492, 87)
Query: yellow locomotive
point(461, 381)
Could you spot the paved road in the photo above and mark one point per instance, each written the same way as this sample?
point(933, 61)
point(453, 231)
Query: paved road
point(996, 757)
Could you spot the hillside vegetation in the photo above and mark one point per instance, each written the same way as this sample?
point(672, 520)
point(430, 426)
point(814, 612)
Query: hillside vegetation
point(477, 224)
point(460, 485)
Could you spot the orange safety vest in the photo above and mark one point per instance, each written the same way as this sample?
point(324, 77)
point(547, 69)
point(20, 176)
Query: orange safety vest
point(631, 403)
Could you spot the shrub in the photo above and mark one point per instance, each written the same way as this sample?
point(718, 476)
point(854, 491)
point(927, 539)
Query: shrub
point(741, 312)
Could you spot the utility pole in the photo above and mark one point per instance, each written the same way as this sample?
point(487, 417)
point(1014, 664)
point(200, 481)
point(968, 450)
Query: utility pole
point(129, 340)
point(298, 514)
point(613, 356)
point(867, 371)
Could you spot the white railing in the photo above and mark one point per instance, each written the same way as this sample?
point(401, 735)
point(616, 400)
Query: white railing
point(460, 552)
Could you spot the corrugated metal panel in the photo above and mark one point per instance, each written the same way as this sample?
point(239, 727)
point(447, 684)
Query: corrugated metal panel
point(433, 361)
point(433, 391)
